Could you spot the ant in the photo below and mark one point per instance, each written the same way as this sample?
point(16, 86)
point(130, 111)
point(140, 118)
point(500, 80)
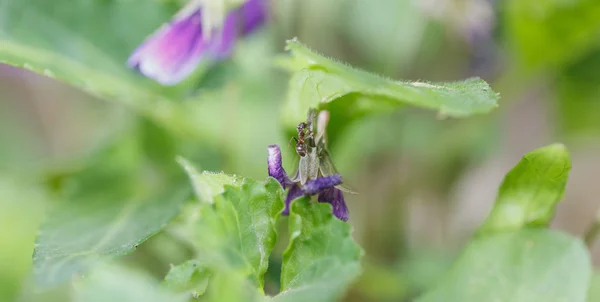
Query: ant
point(305, 135)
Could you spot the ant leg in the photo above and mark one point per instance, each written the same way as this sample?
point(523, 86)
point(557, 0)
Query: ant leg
point(292, 139)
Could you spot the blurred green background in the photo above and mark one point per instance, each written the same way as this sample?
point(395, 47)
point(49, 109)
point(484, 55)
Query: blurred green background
point(425, 182)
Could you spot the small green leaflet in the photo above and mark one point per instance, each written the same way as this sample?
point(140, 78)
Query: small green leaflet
point(531, 190)
point(207, 184)
point(189, 277)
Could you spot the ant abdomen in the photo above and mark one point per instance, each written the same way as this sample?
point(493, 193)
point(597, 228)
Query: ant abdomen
point(301, 149)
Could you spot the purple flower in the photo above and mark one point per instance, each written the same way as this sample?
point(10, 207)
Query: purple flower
point(174, 51)
point(324, 186)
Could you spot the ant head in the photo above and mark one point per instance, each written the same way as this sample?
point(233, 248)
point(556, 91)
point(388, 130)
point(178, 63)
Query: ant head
point(301, 127)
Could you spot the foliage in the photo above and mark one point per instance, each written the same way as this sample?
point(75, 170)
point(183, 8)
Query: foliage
point(515, 257)
point(122, 221)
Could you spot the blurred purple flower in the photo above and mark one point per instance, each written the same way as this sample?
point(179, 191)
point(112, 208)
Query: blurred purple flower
point(174, 51)
point(324, 187)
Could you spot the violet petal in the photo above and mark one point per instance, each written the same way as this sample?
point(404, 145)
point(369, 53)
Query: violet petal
point(294, 192)
point(335, 197)
point(223, 40)
point(253, 15)
point(315, 186)
point(172, 52)
point(275, 168)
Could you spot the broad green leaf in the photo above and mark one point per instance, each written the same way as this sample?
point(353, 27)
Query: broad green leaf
point(82, 231)
point(321, 82)
point(321, 260)
point(238, 231)
point(207, 184)
point(551, 32)
point(531, 190)
point(520, 266)
point(190, 277)
point(107, 208)
point(113, 283)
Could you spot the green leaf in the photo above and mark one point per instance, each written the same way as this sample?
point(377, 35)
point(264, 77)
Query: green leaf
point(235, 225)
point(531, 190)
point(190, 276)
point(106, 210)
point(233, 231)
point(318, 81)
point(525, 265)
point(551, 32)
point(238, 230)
point(81, 231)
point(207, 184)
point(235, 235)
point(113, 283)
point(321, 260)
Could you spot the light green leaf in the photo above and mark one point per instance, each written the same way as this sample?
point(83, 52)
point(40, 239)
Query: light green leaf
point(531, 190)
point(207, 184)
point(117, 284)
point(321, 260)
point(318, 81)
point(521, 266)
point(190, 277)
point(551, 32)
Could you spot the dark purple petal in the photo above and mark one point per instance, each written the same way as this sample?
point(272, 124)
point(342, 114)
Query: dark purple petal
point(335, 197)
point(172, 52)
point(294, 192)
point(253, 15)
point(315, 186)
point(275, 168)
